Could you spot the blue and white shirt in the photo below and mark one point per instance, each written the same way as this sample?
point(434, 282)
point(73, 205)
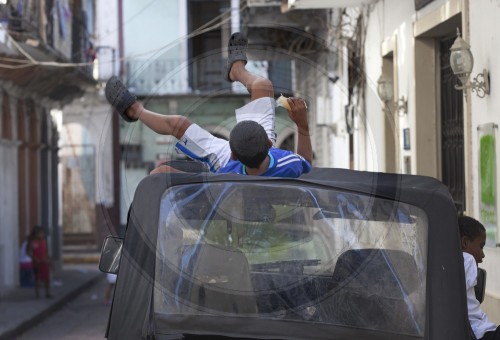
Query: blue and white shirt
point(282, 163)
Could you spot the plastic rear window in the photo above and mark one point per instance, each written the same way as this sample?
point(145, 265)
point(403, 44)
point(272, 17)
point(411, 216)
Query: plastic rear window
point(293, 253)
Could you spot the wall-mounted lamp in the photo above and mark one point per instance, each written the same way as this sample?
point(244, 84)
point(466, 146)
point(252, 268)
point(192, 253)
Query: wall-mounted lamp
point(385, 92)
point(462, 62)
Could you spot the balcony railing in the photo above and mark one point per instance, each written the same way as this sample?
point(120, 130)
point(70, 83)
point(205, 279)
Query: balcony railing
point(174, 76)
point(65, 35)
point(157, 77)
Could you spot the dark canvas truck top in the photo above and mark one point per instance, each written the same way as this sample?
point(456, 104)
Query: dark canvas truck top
point(336, 254)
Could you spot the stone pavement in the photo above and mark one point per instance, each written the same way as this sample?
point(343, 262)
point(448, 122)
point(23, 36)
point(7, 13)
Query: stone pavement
point(20, 310)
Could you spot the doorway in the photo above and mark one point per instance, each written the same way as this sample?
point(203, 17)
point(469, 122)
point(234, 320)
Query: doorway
point(452, 129)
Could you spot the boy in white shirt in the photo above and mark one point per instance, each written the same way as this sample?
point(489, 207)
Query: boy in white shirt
point(473, 238)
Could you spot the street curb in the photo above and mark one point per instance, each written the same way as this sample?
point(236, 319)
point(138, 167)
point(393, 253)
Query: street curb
point(35, 320)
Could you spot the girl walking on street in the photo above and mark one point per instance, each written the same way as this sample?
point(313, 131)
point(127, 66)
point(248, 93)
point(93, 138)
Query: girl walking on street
point(37, 249)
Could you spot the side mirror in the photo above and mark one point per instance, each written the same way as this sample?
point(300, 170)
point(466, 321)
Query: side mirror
point(110, 255)
point(480, 287)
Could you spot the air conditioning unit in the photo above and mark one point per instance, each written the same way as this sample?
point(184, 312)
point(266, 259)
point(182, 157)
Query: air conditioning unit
point(263, 3)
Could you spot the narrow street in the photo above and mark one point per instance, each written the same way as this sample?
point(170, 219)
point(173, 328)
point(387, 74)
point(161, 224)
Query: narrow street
point(260, 169)
point(83, 318)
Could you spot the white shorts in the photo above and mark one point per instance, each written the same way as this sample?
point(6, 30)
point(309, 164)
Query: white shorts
point(262, 111)
point(199, 144)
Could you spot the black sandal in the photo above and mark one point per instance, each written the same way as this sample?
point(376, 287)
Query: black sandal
point(119, 97)
point(236, 50)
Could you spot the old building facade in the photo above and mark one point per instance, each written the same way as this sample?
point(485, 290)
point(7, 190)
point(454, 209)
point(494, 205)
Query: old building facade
point(44, 53)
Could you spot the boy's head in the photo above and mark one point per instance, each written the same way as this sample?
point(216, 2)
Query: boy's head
point(249, 143)
point(37, 233)
point(472, 237)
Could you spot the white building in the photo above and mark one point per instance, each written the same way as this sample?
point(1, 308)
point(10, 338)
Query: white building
point(427, 127)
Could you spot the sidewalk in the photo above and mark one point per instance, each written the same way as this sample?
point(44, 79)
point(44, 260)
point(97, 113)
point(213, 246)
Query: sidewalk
point(20, 310)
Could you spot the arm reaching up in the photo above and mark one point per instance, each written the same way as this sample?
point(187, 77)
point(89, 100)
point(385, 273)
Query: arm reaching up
point(298, 114)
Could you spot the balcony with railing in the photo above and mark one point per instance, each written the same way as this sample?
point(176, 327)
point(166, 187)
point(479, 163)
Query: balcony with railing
point(43, 33)
point(174, 76)
point(63, 31)
point(157, 77)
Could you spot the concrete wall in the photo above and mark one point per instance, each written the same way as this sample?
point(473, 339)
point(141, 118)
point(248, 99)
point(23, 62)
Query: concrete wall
point(9, 221)
point(93, 118)
point(373, 118)
point(491, 304)
point(389, 34)
point(155, 39)
point(149, 27)
point(107, 39)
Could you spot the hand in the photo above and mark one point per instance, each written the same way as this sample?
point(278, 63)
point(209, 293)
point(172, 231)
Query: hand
point(298, 114)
